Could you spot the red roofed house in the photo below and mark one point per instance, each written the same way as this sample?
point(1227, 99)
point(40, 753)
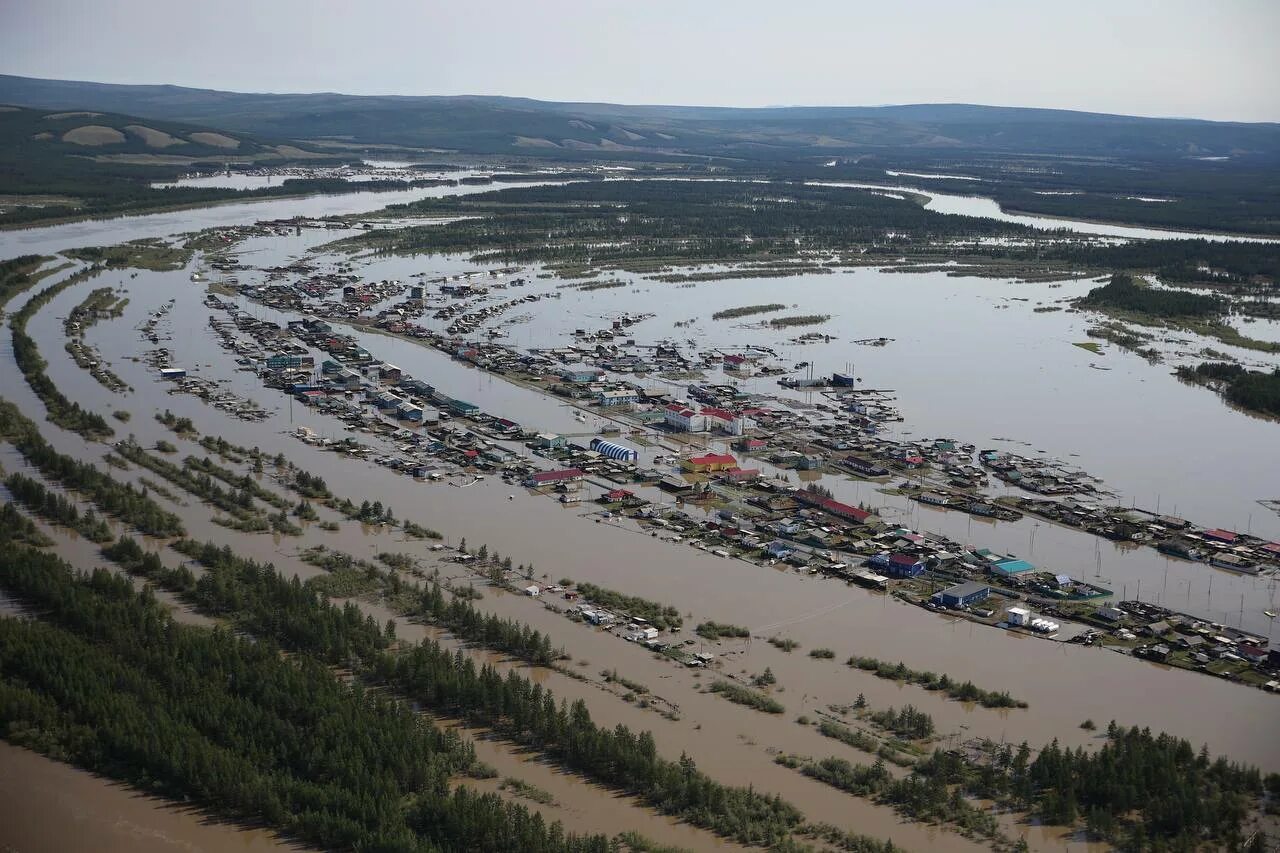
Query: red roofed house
point(709, 462)
point(684, 419)
point(1220, 535)
point(840, 510)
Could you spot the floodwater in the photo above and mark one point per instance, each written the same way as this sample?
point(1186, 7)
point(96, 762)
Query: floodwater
point(975, 205)
point(121, 229)
point(49, 807)
point(1059, 681)
point(1139, 429)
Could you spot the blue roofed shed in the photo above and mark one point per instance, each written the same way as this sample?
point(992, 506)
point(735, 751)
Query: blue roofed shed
point(1012, 566)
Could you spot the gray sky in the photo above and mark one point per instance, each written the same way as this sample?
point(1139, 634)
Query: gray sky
point(1198, 58)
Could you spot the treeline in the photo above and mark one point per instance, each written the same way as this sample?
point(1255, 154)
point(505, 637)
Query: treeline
point(489, 630)
point(197, 477)
point(664, 617)
point(962, 691)
point(907, 721)
point(114, 685)
point(16, 528)
point(54, 507)
point(1124, 293)
point(260, 601)
point(15, 275)
point(924, 799)
point(1255, 390)
point(60, 410)
point(121, 500)
point(347, 576)
point(1139, 791)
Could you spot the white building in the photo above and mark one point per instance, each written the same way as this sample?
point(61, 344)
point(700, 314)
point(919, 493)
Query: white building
point(1019, 616)
point(684, 419)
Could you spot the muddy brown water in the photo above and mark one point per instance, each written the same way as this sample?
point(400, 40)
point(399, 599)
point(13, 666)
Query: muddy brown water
point(1064, 684)
point(49, 807)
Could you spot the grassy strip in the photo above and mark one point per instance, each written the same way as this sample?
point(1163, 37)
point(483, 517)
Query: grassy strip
point(747, 311)
point(799, 320)
point(746, 696)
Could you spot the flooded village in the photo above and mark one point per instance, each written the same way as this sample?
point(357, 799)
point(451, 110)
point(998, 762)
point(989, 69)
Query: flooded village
point(700, 511)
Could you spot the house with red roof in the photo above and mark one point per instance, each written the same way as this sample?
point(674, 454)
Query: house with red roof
point(834, 507)
point(709, 462)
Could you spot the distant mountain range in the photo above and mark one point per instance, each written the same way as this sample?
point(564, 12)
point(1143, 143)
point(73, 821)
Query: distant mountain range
point(520, 126)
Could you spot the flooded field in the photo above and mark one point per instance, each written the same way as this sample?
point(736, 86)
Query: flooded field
point(967, 358)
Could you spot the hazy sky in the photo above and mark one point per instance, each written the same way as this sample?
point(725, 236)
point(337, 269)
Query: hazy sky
point(1200, 58)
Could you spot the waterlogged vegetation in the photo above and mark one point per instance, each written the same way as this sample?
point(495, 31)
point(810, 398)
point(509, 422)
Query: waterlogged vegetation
point(717, 630)
point(107, 680)
point(964, 691)
point(527, 791)
point(17, 274)
point(668, 224)
point(1125, 293)
point(17, 529)
point(60, 410)
point(906, 722)
point(56, 508)
point(799, 320)
point(919, 796)
point(223, 489)
point(747, 311)
point(1127, 298)
point(263, 603)
point(664, 617)
point(1254, 390)
point(117, 499)
point(740, 695)
point(348, 577)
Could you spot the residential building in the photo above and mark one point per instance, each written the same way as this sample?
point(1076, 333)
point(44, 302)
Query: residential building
point(553, 478)
point(963, 595)
point(709, 462)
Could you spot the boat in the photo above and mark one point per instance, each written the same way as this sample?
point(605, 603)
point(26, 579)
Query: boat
point(1270, 614)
